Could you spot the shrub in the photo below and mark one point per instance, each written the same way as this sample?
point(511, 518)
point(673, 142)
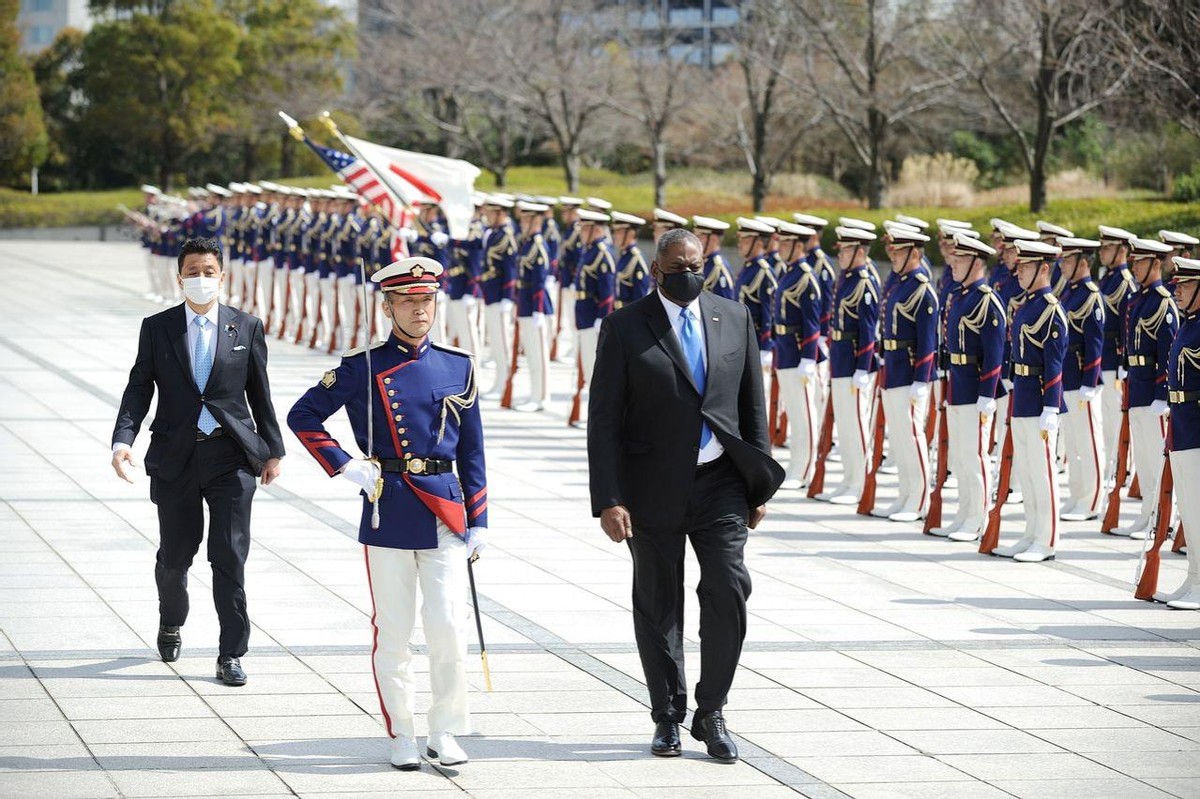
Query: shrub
point(940, 179)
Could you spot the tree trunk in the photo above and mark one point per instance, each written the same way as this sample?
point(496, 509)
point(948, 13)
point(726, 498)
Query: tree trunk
point(249, 158)
point(287, 155)
point(571, 167)
point(1047, 72)
point(501, 175)
point(660, 174)
point(876, 121)
point(758, 191)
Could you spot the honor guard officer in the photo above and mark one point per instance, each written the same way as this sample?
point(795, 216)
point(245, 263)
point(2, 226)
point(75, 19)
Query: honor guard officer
point(466, 266)
point(534, 309)
point(1081, 429)
point(756, 282)
point(975, 332)
point(568, 264)
point(432, 241)
point(717, 277)
point(1151, 322)
point(1182, 244)
point(1008, 289)
point(1183, 383)
point(827, 275)
point(633, 273)
point(909, 333)
point(771, 251)
point(853, 335)
point(665, 220)
point(1049, 233)
point(596, 286)
point(797, 317)
point(1039, 344)
point(862, 224)
point(1116, 287)
point(412, 406)
point(497, 284)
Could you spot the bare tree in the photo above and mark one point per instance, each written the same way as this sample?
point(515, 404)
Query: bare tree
point(1041, 64)
point(1163, 43)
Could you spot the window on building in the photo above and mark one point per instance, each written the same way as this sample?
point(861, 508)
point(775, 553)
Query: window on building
point(41, 34)
point(39, 5)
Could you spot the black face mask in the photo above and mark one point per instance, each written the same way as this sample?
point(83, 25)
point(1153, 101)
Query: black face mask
point(683, 286)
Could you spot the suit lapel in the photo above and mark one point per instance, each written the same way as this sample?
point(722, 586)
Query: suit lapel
point(177, 332)
point(225, 337)
point(660, 325)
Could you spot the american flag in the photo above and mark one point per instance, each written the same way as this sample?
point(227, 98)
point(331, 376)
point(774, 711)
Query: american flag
point(357, 176)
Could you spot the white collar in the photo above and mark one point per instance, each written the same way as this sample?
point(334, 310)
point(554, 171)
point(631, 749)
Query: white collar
point(213, 315)
point(675, 311)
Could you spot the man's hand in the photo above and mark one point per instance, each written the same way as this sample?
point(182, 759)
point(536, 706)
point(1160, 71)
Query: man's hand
point(476, 541)
point(362, 473)
point(270, 472)
point(616, 524)
point(756, 516)
point(122, 460)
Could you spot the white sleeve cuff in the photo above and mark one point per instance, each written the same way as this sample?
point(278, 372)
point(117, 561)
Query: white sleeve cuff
point(119, 446)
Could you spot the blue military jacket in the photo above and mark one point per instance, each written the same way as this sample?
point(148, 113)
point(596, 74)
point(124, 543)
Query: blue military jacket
point(827, 276)
point(1116, 287)
point(425, 406)
point(595, 284)
point(466, 264)
point(717, 277)
point(975, 332)
point(1183, 382)
point(499, 278)
point(909, 330)
point(1151, 322)
point(1084, 308)
point(852, 333)
point(755, 288)
point(1039, 344)
point(533, 267)
point(568, 256)
point(633, 276)
point(797, 316)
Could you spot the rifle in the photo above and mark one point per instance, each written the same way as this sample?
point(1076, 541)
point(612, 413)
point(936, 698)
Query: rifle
point(506, 400)
point(1151, 557)
point(934, 517)
point(930, 423)
point(991, 536)
point(1112, 512)
point(866, 503)
point(817, 484)
point(773, 410)
point(1135, 488)
point(1180, 539)
point(573, 419)
point(557, 326)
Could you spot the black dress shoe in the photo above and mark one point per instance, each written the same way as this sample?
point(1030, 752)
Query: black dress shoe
point(229, 671)
point(169, 643)
point(710, 728)
point(666, 739)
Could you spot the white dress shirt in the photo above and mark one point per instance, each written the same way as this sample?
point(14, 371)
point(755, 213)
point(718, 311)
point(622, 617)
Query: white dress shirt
point(713, 449)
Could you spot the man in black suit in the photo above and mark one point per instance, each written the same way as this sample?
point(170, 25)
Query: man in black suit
point(678, 448)
point(209, 365)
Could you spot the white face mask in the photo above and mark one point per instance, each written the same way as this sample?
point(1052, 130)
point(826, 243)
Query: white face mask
point(201, 290)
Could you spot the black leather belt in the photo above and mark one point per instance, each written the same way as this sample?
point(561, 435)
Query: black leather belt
point(704, 467)
point(1026, 370)
point(202, 436)
point(962, 359)
point(783, 330)
point(1183, 396)
point(838, 335)
point(893, 344)
point(417, 465)
point(1141, 360)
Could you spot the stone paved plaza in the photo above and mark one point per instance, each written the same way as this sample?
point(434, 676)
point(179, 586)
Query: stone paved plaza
point(879, 662)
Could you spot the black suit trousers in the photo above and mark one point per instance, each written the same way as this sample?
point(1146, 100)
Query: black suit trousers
point(216, 473)
point(715, 523)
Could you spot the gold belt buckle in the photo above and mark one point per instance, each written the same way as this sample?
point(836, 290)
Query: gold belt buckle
point(416, 466)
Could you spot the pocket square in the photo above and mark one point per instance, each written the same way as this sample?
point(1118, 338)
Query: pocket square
point(239, 347)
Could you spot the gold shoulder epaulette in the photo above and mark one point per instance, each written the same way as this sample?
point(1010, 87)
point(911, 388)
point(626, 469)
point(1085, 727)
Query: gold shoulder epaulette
point(1090, 286)
point(360, 350)
point(985, 288)
point(1163, 291)
point(1051, 299)
point(921, 277)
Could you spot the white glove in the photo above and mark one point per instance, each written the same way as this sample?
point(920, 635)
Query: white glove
point(766, 358)
point(861, 380)
point(476, 541)
point(1089, 393)
point(506, 305)
point(468, 300)
point(918, 392)
point(1049, 420)
point(1008, 384)
point(362, 473)
point(985, 405)
point(439, 238)
point(1122, 373)
point(1160, 407)
point(597, 323)
point(539, 318)
point(823, 346)
point(409, 234)
point(808, 367)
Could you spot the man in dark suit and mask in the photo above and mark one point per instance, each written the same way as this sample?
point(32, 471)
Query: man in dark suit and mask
point(678, 449)
point(214, 430)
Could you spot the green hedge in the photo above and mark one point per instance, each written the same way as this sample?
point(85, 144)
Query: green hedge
point(19, 209)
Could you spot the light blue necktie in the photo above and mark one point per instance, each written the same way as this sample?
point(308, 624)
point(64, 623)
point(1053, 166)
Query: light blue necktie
point(201, 369)
point(689, 336)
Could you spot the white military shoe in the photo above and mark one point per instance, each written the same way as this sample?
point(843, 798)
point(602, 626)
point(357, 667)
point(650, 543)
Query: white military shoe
point(1034, 554)
point(445, 749)
point(404, 753)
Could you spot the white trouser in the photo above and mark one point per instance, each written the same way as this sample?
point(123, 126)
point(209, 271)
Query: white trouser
point(1033, 465)
point(236, 269)
point(536, 346)
point(567, 340)
point(461, 329)
point(498, 321)
point(1185, 466)
point(1110, 416)
point(1084, 450)
point(167, 271)
point(312, 305)
point(849, 415)
point(265, 292)
point(152, 274)
point(1147, 433)
point(393, 576)
point(589, 340)
point(326, 325)
point(348, 322)
point(1001, 424)
point(906, 432)
point(251, 302)
point(295, 304)
point(799, 401)
point(967, 459)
